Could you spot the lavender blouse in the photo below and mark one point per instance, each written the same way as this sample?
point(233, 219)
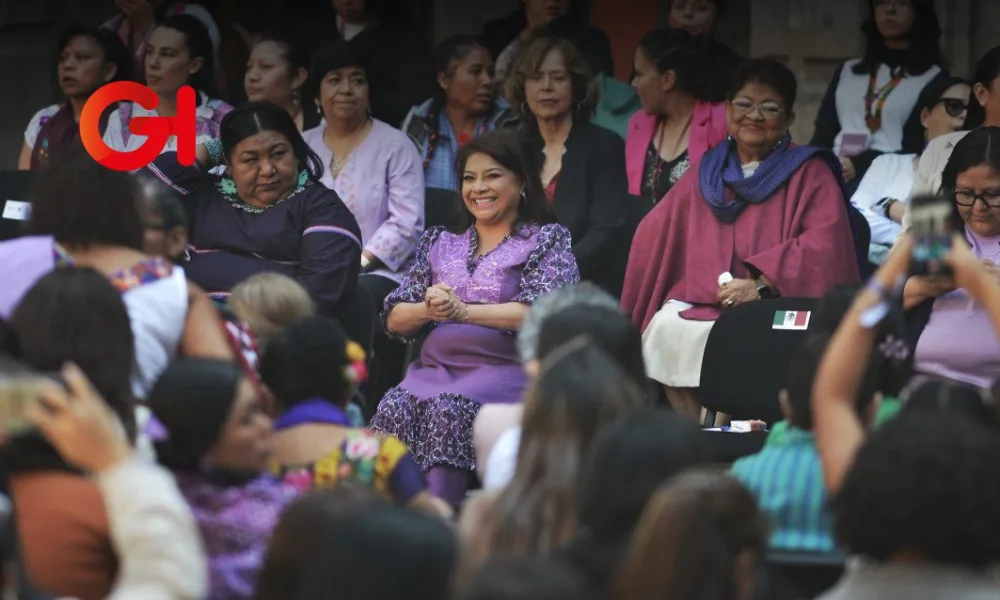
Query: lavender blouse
point(383, 185)
point(959, 342)
point(525, 266)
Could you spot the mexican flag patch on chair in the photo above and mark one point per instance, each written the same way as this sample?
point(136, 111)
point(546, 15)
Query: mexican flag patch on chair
point(796, 320)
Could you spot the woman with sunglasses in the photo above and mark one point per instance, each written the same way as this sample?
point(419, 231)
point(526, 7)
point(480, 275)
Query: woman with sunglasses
point(984, 111)
point(884, 188)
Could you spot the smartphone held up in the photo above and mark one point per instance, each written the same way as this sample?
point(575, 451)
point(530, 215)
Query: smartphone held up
point(932, 225)
point(19, 388)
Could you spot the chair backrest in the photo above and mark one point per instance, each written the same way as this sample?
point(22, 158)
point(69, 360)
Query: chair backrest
point(439, 207)
point(806, 574)
point(746, 358)
point(358, 318)
point(15, 187)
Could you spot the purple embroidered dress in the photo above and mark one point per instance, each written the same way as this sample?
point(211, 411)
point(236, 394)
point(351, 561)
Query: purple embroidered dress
point(236, 522)
point(463, 366)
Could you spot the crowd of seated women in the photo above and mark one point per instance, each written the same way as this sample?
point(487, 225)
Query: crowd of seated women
point(209, 412)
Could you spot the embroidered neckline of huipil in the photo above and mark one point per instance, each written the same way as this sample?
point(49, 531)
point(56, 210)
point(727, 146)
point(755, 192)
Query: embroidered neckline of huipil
point(227, 188)
point(522, 230)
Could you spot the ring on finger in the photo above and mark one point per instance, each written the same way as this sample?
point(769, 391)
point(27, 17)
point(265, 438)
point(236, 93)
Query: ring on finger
point(729, 303)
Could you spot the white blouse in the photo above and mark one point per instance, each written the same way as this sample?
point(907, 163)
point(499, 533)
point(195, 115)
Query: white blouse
point(899, 104)
point(890, 176)
point(208, 118)
point(158, 313)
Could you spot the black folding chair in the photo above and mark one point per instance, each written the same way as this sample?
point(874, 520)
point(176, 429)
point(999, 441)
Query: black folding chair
point(15, 188)
point(806, 574)
point(439, 207)
point(359, 319)
point(745, 367)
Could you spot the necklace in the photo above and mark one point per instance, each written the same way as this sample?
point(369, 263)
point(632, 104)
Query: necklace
point(654, 174)
point(875, 99)
point(354, 140)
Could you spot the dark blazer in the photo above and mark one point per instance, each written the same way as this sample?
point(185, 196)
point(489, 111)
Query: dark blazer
point(590, 200)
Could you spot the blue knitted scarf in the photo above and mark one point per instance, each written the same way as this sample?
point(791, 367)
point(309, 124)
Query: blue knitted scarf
point(721, 169)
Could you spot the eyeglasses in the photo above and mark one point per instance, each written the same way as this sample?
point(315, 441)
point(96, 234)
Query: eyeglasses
point(953, 106)
point(968, 198)
point(769, 110)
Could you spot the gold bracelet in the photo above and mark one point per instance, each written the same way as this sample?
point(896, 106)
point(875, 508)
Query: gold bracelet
point(464, 318)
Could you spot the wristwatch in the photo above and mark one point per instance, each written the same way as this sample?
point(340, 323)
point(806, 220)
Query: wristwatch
point(884, 205)
point(764, 291)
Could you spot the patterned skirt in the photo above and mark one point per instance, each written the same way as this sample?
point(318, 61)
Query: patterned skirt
point(461, 367)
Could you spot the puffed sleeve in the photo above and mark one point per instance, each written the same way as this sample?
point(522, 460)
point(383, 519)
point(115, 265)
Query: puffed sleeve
point(550, 266)
point(414, 286)
point(330, 251)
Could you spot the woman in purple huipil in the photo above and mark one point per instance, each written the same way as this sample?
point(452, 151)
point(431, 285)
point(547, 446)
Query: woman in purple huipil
point(210, 431)
point(472, 286)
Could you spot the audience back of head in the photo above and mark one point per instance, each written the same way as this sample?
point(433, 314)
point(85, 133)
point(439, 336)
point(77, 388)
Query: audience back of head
point(307, 362)
point(383, 553)
point(579, 391)
point(584, 293)
point(637, 454)
point(924, 488)
point(796, 397)
point(270, 302)
point(700, 522)
point(82, 204)
point(528, 579)
point(305, 525)
point(74, 315)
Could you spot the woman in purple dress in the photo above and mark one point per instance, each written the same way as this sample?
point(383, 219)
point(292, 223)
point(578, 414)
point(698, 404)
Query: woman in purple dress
point(211, 432)
point(472, 286)
point(267, 212)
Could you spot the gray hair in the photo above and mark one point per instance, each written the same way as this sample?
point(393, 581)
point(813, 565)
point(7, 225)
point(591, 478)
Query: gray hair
point(580, 294)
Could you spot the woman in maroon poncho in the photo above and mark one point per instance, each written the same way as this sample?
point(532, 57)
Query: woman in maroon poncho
point(768, 212)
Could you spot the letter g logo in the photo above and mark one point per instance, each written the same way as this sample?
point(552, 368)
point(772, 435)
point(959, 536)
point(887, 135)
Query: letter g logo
point(156, 129)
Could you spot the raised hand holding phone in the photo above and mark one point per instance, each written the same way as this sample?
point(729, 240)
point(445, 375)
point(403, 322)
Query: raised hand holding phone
point(932, 226)
point(78, 423)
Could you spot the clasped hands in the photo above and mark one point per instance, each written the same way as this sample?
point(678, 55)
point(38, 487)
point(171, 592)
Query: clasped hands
point(443, 305)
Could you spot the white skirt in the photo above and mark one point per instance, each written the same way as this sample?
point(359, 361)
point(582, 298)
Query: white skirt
point(673, 347)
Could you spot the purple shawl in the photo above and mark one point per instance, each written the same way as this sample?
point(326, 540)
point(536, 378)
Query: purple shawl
point(721, 169)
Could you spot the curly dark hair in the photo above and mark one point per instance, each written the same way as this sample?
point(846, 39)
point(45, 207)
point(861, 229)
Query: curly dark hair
point(586, 94)
point(506, 148)
point(924, 483)
point(81, 204)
